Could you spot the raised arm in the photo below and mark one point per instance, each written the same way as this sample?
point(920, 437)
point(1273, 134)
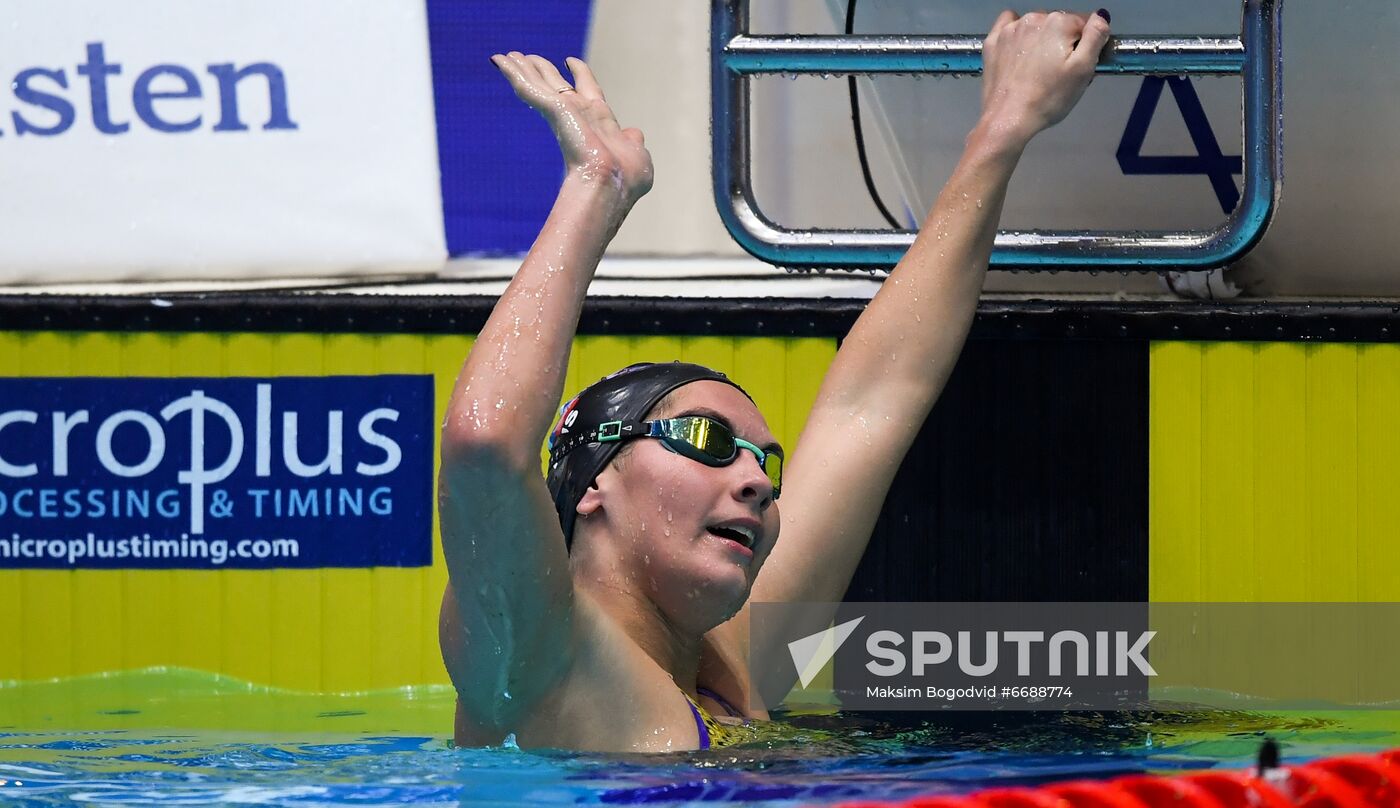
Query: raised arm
point(897, 357)
point(507, 613)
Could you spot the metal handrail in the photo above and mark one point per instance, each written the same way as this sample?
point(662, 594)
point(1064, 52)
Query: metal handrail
point(1255, 55)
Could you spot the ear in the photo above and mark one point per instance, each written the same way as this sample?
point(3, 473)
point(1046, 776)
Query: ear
point(596, 494)
point(591, 502)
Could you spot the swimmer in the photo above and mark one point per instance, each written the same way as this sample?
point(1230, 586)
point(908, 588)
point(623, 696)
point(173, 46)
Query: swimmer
point(605, 608)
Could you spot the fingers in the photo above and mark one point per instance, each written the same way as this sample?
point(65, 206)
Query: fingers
point(527, 69)
point(589, 90)
point(584, 81)
point(1091, 42)
point(634, 135)
point(549, 73)
point(523, 78)
point(537, 78)
point(1003, 19)
point(1067, 20)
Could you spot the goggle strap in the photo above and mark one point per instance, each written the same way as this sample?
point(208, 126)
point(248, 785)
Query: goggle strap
point(606, 432)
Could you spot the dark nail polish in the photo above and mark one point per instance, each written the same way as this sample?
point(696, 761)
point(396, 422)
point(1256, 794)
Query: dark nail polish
point(1103, 12)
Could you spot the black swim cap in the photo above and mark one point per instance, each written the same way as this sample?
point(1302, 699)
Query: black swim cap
point(626, 395)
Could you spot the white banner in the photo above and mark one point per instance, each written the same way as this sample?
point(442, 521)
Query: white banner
point(217, 139)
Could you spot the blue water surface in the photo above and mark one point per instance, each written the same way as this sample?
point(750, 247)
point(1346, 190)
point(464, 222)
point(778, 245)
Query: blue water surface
point(806, 760)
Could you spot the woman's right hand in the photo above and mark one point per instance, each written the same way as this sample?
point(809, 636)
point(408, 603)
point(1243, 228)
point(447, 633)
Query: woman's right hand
point(595, 148)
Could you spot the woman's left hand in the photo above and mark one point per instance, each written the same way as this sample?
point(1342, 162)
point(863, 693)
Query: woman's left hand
point(1036, 67)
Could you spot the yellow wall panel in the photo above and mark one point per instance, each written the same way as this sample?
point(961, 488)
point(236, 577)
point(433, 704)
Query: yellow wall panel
point(1330, 558)
point(248, 594)
point(760, 367)
point(98, 600)
point(595, 357)
point(1280, 504)
point(1174, 439)
point(1271, 469)
point(148, 604)
point(198, 629)
point(803, 356)
point(47, 637)
point(11, 581)
point(645, 349)
point(1378, 471)
point(1227, 445)
point(346, 602)
point(712, 352)
point(299, 633)
point(396, 633)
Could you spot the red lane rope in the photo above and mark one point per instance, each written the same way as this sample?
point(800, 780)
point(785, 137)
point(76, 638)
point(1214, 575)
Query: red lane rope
point(1168, 792)
point(1377, 779)
point(1240, 788)
point(1318, 788)
point(1353, 781)
point(1019, 798)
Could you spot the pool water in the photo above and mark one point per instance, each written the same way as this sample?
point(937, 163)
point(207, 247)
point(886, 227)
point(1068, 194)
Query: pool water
point(182, 737)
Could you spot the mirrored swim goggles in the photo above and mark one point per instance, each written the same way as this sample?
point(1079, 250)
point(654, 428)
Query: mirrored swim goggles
point(697, 437)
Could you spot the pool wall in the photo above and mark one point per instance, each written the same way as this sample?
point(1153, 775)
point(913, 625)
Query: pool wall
point(1081, 452)
point(1274, 467)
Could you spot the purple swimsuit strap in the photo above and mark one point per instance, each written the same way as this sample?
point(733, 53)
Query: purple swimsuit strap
point(700, 729)
point(720, 700)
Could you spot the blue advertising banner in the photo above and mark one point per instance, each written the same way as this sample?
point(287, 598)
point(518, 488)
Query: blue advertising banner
point(216, 473)
point(499, 162)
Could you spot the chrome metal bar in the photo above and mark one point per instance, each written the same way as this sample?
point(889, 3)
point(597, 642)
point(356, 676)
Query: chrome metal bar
point(749, 55)
point(1256, 55)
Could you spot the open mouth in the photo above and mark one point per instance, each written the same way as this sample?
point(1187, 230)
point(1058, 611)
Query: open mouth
point(741, 536)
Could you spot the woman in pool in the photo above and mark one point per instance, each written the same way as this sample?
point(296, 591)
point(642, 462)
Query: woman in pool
point(605, 610)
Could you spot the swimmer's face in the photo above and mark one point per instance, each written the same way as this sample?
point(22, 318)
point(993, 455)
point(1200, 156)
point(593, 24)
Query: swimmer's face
point(676, 517)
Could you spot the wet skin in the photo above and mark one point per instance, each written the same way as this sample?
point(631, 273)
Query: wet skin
point(591, 650)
